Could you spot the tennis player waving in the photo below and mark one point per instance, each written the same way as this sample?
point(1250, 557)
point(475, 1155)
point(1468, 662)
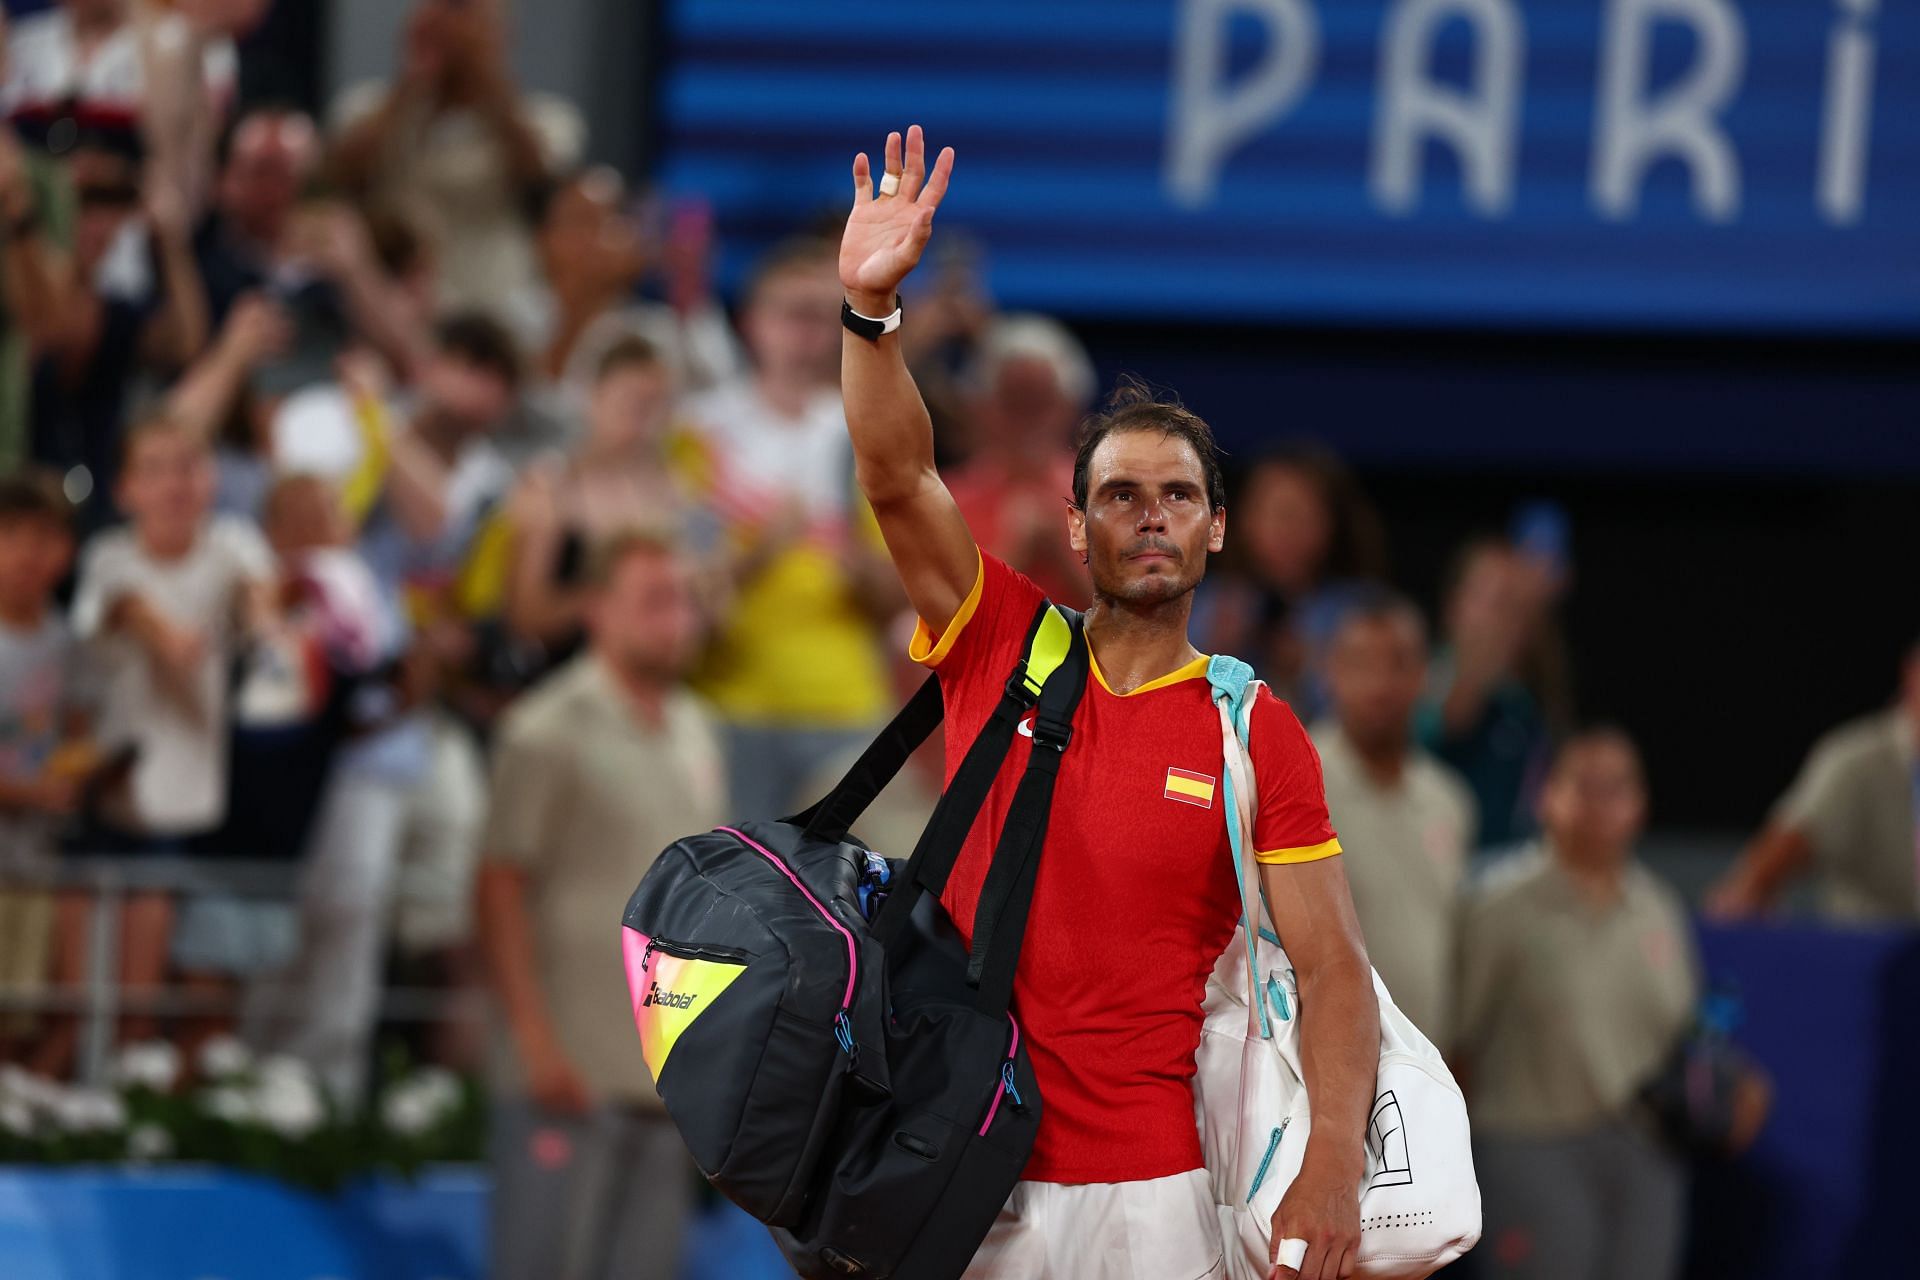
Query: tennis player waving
point(1136, 895)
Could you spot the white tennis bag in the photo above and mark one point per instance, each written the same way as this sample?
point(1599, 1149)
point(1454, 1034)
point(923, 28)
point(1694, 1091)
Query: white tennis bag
point(1419, 1204)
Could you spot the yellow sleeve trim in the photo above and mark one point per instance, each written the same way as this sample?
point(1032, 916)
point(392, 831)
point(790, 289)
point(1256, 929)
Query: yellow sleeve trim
point(1287, 857)
point(928, 652)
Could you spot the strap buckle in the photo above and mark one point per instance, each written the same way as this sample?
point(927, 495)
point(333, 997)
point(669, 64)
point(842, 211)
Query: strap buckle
point(1051, 733)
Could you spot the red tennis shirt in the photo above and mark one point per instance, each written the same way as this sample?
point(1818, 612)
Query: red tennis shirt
point(1136, 896)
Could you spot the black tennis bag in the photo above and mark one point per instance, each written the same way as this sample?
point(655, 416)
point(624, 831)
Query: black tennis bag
point(862, 1088)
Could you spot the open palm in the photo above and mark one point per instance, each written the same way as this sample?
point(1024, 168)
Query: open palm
point(885, 233)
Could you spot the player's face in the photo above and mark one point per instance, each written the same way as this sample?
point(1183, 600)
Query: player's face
point(1148, 526)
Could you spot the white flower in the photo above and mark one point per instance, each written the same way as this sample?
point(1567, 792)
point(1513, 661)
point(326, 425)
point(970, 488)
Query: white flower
point(230, 1103)
point(407, 1111)
point(288, 1097)
point(89, 1110)
point(421, 1101)
point(16, 1117)
point(439, 1084)
point(224, 1057)
point(149, 1142)
point(25, 1087)
point(153, 1065)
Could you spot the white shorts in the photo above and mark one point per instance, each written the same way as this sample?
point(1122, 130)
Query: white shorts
point(1163, 1229)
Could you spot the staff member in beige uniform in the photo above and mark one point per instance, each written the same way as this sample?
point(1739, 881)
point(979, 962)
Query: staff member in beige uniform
point(597, 769)
point(1852, 817)
point(1412, 815)
point(1578, 977)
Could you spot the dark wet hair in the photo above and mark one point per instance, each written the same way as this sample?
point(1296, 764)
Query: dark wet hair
point(1135, 406)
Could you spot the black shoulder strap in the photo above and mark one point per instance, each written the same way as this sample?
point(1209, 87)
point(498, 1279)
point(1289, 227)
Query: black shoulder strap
point(966, 795)
point(1000, 919)
point(833, 816)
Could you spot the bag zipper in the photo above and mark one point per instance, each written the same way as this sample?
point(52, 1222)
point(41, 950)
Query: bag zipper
point(1007, 1087)
point(843, 1020)
point(690, 951)
point(1278, 995)
point(1266, 1161)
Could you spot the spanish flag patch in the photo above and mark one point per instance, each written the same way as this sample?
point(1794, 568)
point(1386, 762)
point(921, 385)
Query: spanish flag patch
point(1189, 787)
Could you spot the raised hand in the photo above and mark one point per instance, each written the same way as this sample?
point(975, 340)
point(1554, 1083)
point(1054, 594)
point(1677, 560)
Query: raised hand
point(886, 233)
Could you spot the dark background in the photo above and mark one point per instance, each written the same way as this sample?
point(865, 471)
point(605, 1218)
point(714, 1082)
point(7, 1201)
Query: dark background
point(1745, 513)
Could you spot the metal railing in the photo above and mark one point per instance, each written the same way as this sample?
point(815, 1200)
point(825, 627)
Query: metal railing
point(101, 1000)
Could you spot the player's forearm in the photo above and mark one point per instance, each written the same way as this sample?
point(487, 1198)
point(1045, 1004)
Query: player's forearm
point(891, 429)
point(1340, 1056)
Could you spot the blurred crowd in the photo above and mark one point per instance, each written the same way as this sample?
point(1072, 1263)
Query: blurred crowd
point(394, 496)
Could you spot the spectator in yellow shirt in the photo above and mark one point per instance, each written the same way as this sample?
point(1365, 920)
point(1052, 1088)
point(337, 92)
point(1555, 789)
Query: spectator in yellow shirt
point(796, 669)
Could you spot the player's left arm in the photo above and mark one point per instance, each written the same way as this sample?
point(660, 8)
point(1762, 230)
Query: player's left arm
point(1312, 911)
point(1303, 877)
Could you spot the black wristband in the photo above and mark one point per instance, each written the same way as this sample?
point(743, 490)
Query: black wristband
point(867, 326)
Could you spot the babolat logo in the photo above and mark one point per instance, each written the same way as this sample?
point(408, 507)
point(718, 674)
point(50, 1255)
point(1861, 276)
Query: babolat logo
point(668, 999)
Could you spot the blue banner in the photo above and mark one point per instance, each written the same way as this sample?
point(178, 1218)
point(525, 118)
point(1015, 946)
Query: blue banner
point(179, 1223)
point(1609, 164)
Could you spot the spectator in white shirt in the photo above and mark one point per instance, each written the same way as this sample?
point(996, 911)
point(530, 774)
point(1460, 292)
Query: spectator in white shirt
point(169, 598)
